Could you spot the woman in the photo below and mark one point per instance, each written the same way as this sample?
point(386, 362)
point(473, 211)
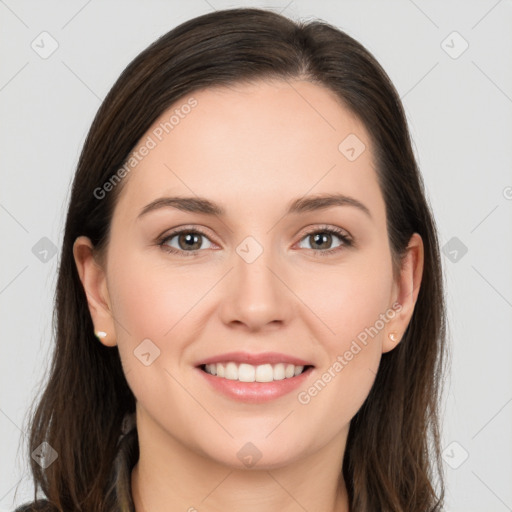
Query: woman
point(249, 309)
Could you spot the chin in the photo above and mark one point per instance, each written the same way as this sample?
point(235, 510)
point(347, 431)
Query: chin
point(259, 454)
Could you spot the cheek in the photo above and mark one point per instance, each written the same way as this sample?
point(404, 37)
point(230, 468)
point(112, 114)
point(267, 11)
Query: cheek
point(349, 302)
point(159, 302)
point(352, 353)
point(151, 299)
point(352, 303)
point(152, 304)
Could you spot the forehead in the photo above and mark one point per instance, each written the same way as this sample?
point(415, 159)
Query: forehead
point(254, 144)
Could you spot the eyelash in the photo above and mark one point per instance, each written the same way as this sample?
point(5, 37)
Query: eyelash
point(347, 242)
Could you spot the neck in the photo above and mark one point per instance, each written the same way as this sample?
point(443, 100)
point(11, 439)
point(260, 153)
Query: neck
point(171, 477)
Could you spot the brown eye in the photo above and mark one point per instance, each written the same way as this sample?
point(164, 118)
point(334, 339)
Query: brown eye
point(185, 241)
point(189, 241)
point(322, 240)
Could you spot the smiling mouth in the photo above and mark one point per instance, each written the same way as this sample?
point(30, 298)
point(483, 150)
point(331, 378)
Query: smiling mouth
point(244, 372)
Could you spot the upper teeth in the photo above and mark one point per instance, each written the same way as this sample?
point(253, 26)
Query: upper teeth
point(249, 373)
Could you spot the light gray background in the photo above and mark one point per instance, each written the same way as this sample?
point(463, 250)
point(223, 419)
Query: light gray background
point(459, 110)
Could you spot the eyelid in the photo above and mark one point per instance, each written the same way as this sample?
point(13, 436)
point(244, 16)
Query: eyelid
point(342, 234)
point(347, 241)
point(190, 228)
point(184, 228)
point(326, 227)
point(309, 230)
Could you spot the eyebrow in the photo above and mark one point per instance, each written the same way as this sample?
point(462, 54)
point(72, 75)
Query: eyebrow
point(300, 205)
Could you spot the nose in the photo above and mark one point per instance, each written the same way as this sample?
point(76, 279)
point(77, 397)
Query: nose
point(255, 296)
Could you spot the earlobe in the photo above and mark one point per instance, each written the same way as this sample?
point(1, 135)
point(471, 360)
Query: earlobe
point(406, 292)
point(94, 282)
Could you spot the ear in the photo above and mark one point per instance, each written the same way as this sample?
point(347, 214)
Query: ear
point(405, 292)
point(94, 281)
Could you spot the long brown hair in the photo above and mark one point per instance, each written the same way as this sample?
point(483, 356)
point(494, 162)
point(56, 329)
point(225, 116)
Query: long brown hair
point(392, 460)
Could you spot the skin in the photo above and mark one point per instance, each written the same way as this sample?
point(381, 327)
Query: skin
point(252, 149)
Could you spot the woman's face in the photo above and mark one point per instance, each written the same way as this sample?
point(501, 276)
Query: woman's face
point(283, 276)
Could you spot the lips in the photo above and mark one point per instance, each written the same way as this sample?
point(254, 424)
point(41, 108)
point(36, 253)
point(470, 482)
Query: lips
point(255, 359)
point(255, 377)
